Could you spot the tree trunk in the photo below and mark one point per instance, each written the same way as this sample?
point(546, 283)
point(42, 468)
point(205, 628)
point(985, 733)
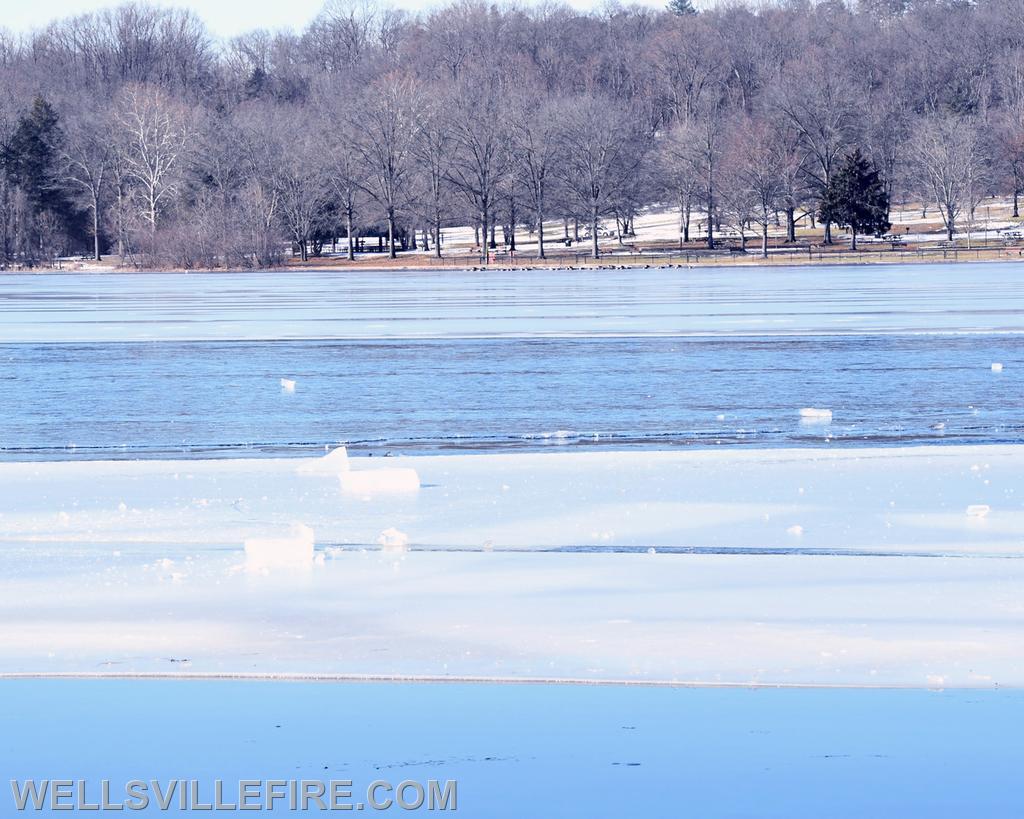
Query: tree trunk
point(764, 240)
point(540, 234)
point(437, 234)
point(484, 217)
point(853, 237)
point(593, 236)
point(575, 228)
point(96, 228)
point(790, 224)
point(1016, 202)
point(391, 235)
point(348, 232)
point(949, 224)
point(682, 222)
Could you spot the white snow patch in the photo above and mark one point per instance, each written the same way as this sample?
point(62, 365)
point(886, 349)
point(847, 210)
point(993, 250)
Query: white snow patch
point(287, 385)
point(378, 481)
point(797, 530)
point(978, 510)
point(997, 367)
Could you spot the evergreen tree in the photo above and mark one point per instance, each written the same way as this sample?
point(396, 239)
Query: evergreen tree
point(682, 7)
point(855, 198)
point(30, 164)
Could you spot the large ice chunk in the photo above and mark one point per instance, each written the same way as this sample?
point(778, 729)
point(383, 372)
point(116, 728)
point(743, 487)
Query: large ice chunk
point(816, 415)
point(290, 549)
point(333, 463)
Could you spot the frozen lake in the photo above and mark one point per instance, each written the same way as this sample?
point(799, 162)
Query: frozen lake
point(452, 303)
point(515, 751)
point(159, 365)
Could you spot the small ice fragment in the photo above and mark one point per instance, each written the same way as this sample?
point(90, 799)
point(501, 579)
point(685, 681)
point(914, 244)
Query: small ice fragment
point(816, 415)
point(652, 551)
point(719, 417)
point(796, 530)
point(997, 367)
point(372, 481)
point(939, 425)
point(287, 385)
point(333, 463)
point(978, 510)
point(122, 507)
point(393, 540)
point(290, 550)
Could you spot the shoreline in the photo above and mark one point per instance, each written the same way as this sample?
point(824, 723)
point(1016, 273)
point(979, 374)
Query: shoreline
point(667, 259)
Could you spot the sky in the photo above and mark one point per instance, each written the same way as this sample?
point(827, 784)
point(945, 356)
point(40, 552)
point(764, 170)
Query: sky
point(224, 17)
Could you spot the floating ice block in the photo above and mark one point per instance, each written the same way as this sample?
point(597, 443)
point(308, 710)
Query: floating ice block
point(293, 548)
point(816, 415)
point(333, 463)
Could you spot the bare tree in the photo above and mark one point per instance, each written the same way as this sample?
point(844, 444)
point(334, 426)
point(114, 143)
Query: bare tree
point(154, 137)
point(435, 153)
point(87, 157)
point(755, 185)
point(822, 114)
point(535, 135)
point(299, 174)
point(947, 160)
point(480, 134)
point(388, 136)
point(602, 148)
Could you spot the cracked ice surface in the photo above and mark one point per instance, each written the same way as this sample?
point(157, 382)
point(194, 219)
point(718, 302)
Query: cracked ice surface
point(794, 566)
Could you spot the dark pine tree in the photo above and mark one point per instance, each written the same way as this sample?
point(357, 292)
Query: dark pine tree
point(855, 198)
point(682, 7)
point(30, 162)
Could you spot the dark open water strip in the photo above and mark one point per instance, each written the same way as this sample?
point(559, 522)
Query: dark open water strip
point(224, 399)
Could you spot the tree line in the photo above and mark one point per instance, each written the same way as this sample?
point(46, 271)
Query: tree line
point(132, 131)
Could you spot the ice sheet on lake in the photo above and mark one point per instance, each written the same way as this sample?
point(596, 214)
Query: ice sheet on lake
point(797, 566)
point(453, 303)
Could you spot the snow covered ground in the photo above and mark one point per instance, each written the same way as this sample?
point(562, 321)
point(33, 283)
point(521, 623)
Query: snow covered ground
point(852, 567)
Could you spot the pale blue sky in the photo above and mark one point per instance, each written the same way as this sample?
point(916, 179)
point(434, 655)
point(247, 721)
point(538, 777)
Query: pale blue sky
point(224, 17)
